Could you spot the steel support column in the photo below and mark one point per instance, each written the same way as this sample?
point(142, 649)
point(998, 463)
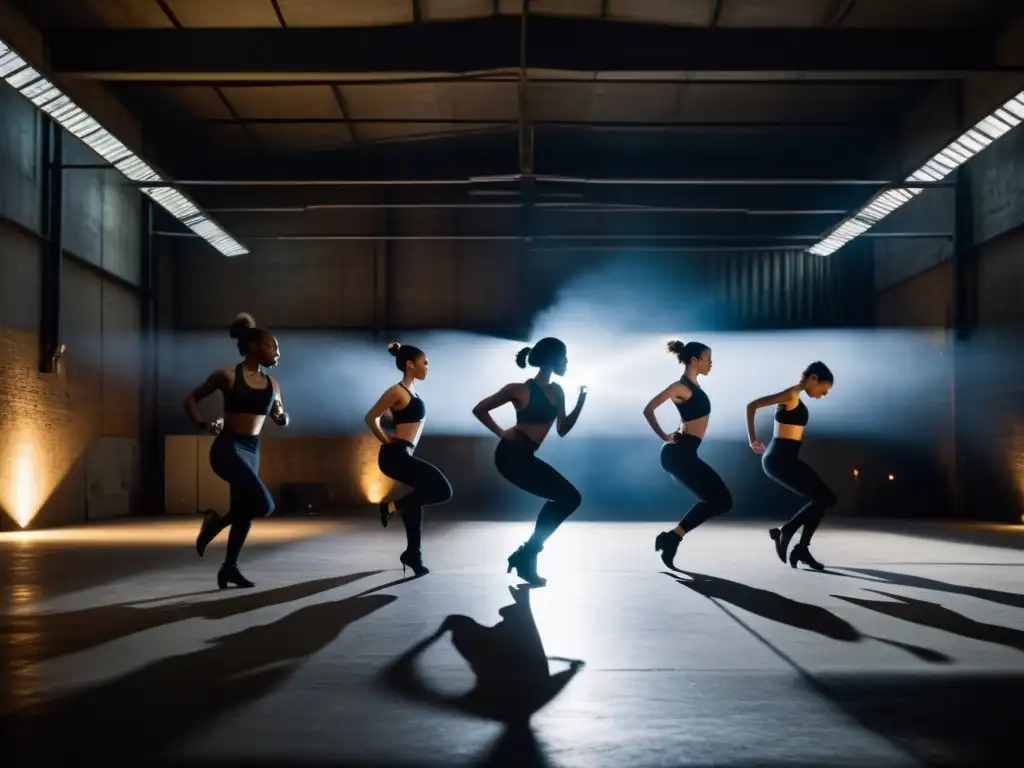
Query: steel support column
point(382, 258)
point(151, 473)
point(51, 331)
point(964, 306)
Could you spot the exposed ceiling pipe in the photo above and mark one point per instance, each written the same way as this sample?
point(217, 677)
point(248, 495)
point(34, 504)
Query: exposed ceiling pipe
point(566, 237)
point(561, 207)
point(543, 179)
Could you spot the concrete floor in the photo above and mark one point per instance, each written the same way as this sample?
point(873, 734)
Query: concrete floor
point(908, 652)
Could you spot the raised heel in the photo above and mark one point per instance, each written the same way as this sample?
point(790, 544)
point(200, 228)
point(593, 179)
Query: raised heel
point(414, 561)
point(229, 575)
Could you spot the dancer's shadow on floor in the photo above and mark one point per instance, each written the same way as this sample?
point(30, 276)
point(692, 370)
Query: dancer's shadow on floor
point(1011, 599)
point(784, 610)
point(145, 712)
point(513, 679)
point(938, 617)
point(58, 634)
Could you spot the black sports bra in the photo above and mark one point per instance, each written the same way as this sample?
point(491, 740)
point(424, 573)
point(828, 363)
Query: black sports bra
point(413, 412)
point(699, 404)
point(242, 398)
point(796, 417)
point(539, 410)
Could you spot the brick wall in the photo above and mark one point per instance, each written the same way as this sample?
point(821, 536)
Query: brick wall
point(60, 435)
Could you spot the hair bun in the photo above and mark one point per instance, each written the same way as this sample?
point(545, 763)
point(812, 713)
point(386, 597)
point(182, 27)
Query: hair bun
point(393, 348)
point(243, 321)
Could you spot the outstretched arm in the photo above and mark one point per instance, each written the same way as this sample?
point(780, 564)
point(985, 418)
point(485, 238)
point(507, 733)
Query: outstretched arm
point(762, 402)
point(566, 423)
point(215, 381)
point(675, 390)
point(386, 402)
point(482, 410)
point(277, 412)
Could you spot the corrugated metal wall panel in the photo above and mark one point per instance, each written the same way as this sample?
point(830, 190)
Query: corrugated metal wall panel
point(789, 288)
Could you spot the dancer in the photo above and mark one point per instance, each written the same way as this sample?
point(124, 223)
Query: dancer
point(781, 462)
point(249, 397)
point(679, 453)
point(396, 459)
point(538, 403)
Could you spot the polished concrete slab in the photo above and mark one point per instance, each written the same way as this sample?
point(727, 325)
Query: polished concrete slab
point(908, 651)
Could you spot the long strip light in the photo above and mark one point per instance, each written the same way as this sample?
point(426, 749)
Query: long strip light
point(944, 162)
point(76, 121)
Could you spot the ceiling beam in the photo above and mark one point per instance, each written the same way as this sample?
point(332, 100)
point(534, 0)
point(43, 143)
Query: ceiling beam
point(622, 125)
point(629, 202)
point(494, 43)
point(498, 160)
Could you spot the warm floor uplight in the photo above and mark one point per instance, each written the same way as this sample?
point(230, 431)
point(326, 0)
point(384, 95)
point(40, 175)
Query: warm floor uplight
point(375, 489)
point(856, 473)
point(373, 484)
point(891, 477)
point(173, 533)
point(24, 491)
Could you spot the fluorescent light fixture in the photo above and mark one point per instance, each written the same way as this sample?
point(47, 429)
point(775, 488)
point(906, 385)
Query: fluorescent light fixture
point(76, 121)
point(944, 162)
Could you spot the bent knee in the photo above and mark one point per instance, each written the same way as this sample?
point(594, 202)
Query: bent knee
point(263, 503)
point(724, 502)
point(444, 493)
point(827, 498)
point(571, 500)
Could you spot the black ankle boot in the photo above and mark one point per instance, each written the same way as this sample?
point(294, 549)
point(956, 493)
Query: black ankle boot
point(802, 554)
point(208, 531)
point(413, 560)
point(781, 539)
point(667, 543)
point(385, 513)
point(524, 560)
point(229, 574)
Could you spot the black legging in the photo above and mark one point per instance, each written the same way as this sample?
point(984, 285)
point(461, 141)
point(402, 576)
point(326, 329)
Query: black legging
point(517, 462)
point(428, 483)
point(680, 460)
point(236, 460)
point(781, 462)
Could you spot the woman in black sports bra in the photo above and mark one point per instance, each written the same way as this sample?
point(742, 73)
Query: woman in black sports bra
point(250, 396)
point(396, 459)
point(781, 462)
point(679, 453)
point(538, 403)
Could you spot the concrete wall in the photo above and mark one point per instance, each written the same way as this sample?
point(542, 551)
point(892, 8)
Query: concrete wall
point(352, 291)
point(991, 373)
point(489, 287)
point(69, 443)
point(915, 280)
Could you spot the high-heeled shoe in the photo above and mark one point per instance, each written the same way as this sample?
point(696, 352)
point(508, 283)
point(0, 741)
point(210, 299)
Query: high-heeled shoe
point(229, 574)
point(413, 560)
point(802, 554)
point(524, 560)
point(208, 531)
point(781, 539)
point(385, 512)
point(667, 543)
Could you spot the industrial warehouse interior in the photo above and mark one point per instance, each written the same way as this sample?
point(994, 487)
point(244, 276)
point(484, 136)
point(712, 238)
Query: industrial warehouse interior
point(425, 382)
